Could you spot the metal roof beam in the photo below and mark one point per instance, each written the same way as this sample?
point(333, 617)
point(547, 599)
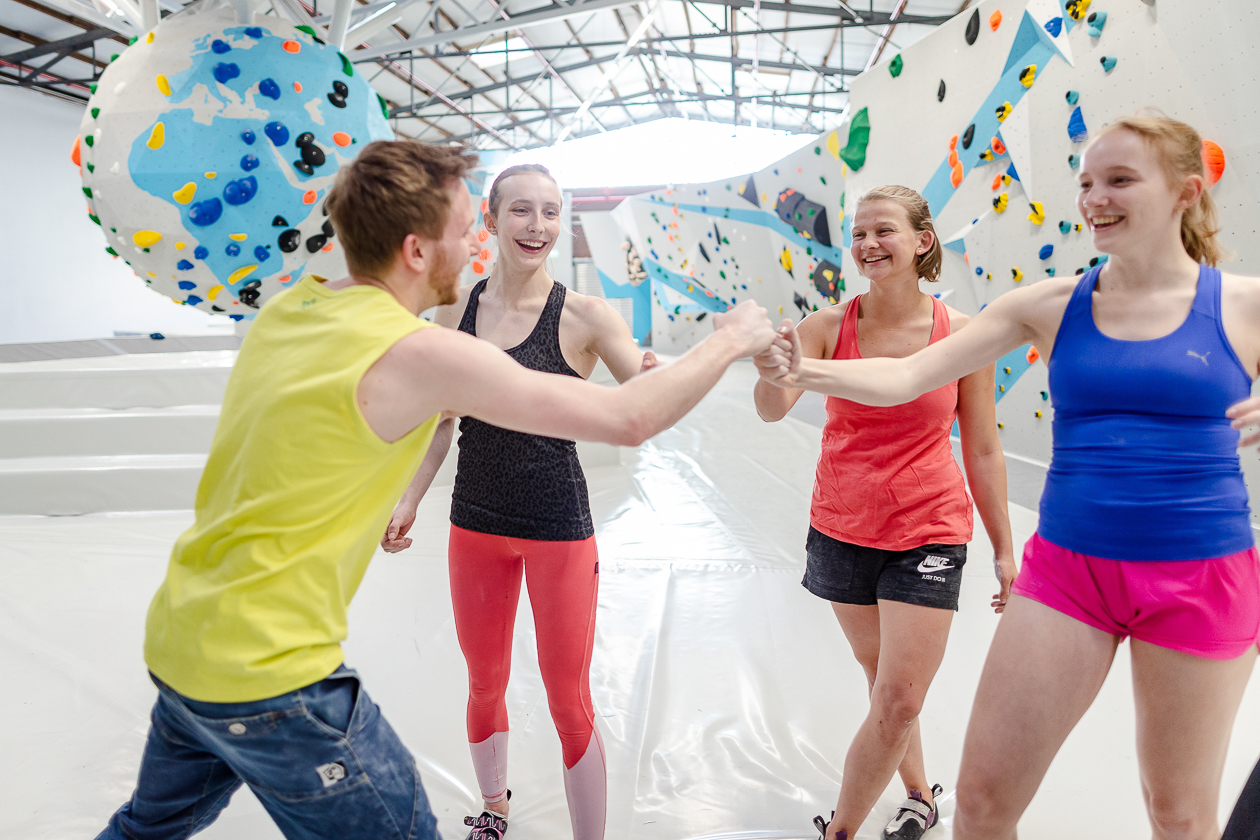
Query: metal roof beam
point(83, 39)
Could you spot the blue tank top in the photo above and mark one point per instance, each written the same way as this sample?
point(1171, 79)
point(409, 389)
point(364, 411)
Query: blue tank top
point(1145, 463)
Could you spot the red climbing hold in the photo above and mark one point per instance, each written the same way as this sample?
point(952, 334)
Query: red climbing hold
point(309, 197)
point(999, 148)
point(1213, 161)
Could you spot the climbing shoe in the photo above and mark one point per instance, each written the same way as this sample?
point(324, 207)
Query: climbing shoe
point(914, 817)
point(488, 826)
point(821, 824)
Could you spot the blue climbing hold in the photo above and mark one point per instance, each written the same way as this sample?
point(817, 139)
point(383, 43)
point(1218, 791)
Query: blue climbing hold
point(202, 252)
point(206, 212)
point(237, 317)
point(1050, 271)
point(1065, 227)
point(241, 190)
point(220, 47)
point(187, 285)
point(253, 31)
point(261, 253)
point(184, 265)
point(232, 250)
point(1076, 127)
point(979, 271)
point(192, 300)
point(1073, 97)
point(249, 162)
point(1010, 170)
point(1108, 63)
point(269, 88)
point(1096, 23)
point(225, 72)
point(1074, 161)
point(248, 137)
point(156, 336)
point(1046, 252)
point(278, 134)
point(1054, 26)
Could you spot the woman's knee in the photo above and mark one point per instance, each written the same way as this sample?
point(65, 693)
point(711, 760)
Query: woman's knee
point(896, 706)
point(981, 809)
point(1177, 817)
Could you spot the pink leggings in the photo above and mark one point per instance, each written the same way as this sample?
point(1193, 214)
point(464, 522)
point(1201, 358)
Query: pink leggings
point(563, 581)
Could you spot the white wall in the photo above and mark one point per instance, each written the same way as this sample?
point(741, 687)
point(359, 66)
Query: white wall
point(56, 281)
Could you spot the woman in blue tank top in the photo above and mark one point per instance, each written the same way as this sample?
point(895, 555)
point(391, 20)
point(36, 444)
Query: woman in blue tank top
point(1144, 530)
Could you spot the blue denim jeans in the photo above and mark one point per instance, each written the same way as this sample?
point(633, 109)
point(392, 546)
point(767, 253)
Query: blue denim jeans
point(322, 760)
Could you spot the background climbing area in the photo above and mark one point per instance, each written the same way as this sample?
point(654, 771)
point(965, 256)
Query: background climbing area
point(207, 151)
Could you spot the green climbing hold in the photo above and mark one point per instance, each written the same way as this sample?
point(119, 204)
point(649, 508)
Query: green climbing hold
point(896, 65)
point(91, 168)
point(854, 152)
point(89, 139)
point(824, 180)
point(384, 107)
point(96, 112)
point(346, 66)
point(132, 41)
point(304, 28)
point(94, 218)
point(113, 58)
point(111, 251)
point(92, 87)
point(87, 191)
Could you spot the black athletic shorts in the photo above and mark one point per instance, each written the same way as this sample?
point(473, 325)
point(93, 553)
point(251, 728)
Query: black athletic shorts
point(929, 576)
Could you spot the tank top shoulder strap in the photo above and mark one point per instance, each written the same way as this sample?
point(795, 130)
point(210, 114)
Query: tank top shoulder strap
point(549, 320)
point(846, 339)
point(1207, 298)
point(940, 320)
point(468, 323)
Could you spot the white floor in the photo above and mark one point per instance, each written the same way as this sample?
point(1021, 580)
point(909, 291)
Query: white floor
point(726, 694)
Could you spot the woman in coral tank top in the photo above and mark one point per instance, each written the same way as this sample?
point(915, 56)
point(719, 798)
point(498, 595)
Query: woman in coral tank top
point(890, 518)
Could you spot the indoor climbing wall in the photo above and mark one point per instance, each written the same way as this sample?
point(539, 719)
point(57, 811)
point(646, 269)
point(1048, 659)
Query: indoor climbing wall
point(208, 148)
point(987, 117)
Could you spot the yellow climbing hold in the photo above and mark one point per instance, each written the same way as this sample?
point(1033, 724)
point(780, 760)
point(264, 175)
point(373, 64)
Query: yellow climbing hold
point(211, 174)
point(833, 145)
point(1028, 75)
point(146, 238)
point(148, 39)
point(163, 84)
point(785, 259)
point(999, 203)
point(179, 246)
point(185, 193)
point(1017, 275)
point(241, 273)
point(157, 137)
point(214, 292)
point(239, 237)
point(1038, 214)
point(151, 274)
point(1003, 111)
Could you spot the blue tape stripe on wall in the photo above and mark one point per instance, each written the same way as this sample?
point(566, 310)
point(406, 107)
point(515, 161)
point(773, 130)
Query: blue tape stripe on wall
point(641, 295)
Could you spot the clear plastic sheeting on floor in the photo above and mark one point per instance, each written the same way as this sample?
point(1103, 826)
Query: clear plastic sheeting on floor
point(726, 694)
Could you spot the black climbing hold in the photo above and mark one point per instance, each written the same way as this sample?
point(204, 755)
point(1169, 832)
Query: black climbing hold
point(337, 100)
point(940, 92)
point(290, 240)
point(316, 242)
point(279, 221)
point(973, 27)
point(828, 280)
point(313, 154)
point(968, 136)
point(701, 316)
point(303, 167)
point(806, 217)
point(340, 88)
point(249, 293)
point(703, 252)
point(328, 229)
point(304, 138)
point(217, 308)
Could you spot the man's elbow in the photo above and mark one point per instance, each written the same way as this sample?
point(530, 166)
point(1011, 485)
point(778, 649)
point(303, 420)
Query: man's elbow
point(633, 429)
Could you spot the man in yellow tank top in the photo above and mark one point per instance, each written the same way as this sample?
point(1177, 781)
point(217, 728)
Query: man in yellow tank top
point(329, 411)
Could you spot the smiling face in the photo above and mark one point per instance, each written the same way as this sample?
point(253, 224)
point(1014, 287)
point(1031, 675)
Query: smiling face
point(528, 221)
point(1126, 197)
point(885, 244)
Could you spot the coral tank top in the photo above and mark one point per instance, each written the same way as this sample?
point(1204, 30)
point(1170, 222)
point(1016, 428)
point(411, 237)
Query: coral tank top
point(887, 477)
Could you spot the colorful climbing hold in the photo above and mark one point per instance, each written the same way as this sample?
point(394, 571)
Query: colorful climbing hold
point(1108, 63)
point(973, 27)
point(1003, 111)
point(1050, 271)
point(261, 253)
point(1076, 127)
point(248, 136)
point(232, 250)
point(292, 47)
point(214, 292)
point(1038, 214)
point(183, 265)
point(241, 273)
point(1046, 252)
point(277, 133)
point(1074, 161)
point(225, 72)
point(1054, 26)
point(201, 252)
point(986, 155)
point(157, 136)
point(346, 66)
point(220, 46)
point(1096, 21)
point(1028, 75)
point(1076, 8)
point(297, 87)
point(341, 138)
point(999, 148)
point(269, 88)
point(979, 271)
point(249, 162)
point(241, 190)
point(185, 193)
point(895, 66)
point(940, 91)
point(212, 175)
point(309, 197)
point(997, 183)
point(995, 20)
point(187, 285)
point(238, 237)
point(968, 136)
point(146, 238)
point(956, 174)
point(96, 112)
point(785, 260)
point(1213, 161)
point(854, 152)
point(89, 139)
point(1073, 97)
point(316, 242)
point(999, 203)
point(75, 155)
point(1017, 275)
point(1065, 227)
point(206, 212)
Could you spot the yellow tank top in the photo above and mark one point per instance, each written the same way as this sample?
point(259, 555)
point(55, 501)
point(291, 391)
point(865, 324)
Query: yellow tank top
point(295, 496)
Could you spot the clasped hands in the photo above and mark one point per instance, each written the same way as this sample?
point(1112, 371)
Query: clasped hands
point(780, 363)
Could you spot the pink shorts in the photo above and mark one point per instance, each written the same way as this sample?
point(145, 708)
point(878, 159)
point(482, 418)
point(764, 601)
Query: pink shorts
point(1208, 608)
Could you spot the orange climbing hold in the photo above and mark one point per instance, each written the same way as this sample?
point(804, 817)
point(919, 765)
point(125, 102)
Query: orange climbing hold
point(328, 247)
point(956, 176)
point(485, 254)
point(292, 47)
point(999, 148)
point(75, 156)
point(297, 87)
point(997, 182)
point(485, 205)
point(341, 138)
point(478, 268)
point(309, 197)
point(1032, 355)
point(1213, 160)
point(995, 20)
point(483, 235)
point(953, 142)
point(953, 158)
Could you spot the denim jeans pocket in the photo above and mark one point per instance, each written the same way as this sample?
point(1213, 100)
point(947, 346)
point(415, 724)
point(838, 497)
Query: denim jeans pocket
point(332, 704)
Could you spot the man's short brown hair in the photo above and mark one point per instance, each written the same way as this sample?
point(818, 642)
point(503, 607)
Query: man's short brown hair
point(393, 188)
